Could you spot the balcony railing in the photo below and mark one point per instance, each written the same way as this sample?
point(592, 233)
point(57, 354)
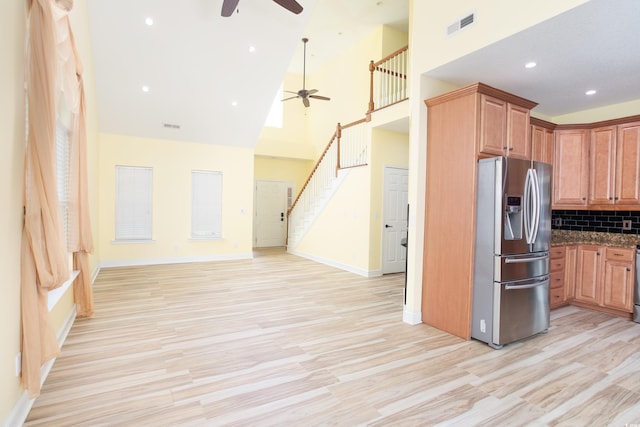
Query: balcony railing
point(388, 81)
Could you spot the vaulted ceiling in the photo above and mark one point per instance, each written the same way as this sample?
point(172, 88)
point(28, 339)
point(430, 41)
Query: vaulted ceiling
point(204, 84)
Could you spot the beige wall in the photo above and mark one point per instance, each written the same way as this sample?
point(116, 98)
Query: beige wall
point(279, 169)
point(340, 234)
point(172, 163)
point(12, 135)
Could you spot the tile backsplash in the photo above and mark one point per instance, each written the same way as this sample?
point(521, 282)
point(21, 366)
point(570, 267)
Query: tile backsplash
point(598, 221)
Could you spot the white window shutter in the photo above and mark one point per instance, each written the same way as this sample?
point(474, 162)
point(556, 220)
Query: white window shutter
point(206, 205)
point(134, 199)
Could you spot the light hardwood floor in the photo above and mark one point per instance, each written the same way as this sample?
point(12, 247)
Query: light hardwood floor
point(281, 340)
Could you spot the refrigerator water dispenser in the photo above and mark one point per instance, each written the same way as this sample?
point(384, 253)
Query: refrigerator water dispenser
point(513, 218)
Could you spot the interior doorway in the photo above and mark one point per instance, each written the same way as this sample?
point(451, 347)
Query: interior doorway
point(394, 219)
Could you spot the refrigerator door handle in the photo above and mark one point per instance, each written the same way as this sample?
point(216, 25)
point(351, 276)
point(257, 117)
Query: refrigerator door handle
point(540, 282)
point(536, 205)
point(514, 260)
point(527, 207)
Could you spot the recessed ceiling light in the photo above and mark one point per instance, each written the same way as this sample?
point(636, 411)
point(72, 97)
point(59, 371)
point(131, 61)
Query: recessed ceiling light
point(145, 88)
point(590, 92)
point(234, 103)
point(252, 49)
point(149, 21)
point(530, 64)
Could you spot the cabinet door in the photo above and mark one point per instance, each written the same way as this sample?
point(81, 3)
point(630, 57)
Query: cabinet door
point(618, 279)
point(541, 144)
point(628, 164)
point(518, 140)
point(493, 125)
point(588, 274)
point(602, 150)
point(571, 259)
point(570, 169)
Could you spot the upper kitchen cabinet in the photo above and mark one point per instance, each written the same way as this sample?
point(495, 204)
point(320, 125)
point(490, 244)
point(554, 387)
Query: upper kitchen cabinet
point(504, 125)
point(571, 169)
point(628, 165)
point(541, 140)
point(615, 166)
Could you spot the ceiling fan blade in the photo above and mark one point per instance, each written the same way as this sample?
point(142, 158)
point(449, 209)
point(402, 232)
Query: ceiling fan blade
point(305, 101)
point(312, 91)
point(228, 7)
point(291, 5)
point(323, 98)
point(292, 97)
point(288, 91)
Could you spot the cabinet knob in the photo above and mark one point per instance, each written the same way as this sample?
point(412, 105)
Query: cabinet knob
point(617, 198)
point(628, 269)
point(610, 198)
point(584, 198)
point(598, 253)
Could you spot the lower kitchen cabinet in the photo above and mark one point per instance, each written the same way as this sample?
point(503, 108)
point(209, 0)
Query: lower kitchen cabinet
point(604, 278)
point(618, 278)
point(557, 269)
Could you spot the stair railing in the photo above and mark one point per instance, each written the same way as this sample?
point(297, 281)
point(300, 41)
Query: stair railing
point(347, 148)
point(388, 81)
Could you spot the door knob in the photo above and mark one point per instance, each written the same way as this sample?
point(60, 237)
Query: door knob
point(387, 226)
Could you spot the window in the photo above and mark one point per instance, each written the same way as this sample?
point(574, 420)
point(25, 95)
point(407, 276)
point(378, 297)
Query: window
point(62, 176)
point(206, 205)
point(133, 202)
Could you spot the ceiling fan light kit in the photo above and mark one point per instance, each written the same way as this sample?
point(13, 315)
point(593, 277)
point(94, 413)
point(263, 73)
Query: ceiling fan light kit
point(303, 93)
point(230, 6)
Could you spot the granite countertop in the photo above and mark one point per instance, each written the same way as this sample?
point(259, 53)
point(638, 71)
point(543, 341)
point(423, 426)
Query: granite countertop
point(566, 237)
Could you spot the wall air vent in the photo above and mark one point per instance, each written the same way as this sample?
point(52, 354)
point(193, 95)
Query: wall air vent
point(461, 23)
point(171, 126)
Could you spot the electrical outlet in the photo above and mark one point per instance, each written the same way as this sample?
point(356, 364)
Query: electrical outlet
point(18, 364)
point(483, 326)
point(557, 222)
point(626, 224)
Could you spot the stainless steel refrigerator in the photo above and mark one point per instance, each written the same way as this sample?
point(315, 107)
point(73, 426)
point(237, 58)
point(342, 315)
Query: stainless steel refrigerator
point(512, 241)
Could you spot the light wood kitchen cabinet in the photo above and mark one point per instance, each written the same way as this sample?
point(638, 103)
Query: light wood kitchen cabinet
point(571, 259)
point(617, 280)
point(628, 165)
point(541, 141)
point(504, 128)
point(604, 278)
point(614, 169)
point(557, 263)
point(588, 288)
point(571, 169)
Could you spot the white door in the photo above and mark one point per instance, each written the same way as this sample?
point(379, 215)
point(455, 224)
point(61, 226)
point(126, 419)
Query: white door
point(270, 214)
point(394, 219)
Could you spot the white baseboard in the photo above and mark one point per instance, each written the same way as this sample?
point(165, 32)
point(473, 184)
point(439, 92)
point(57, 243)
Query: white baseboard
point(20, 411)
point(175, 260)
point(339, 265)
point(411, 317)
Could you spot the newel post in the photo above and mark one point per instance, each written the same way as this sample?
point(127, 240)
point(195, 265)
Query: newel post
point(371, 70)
point(338, 136)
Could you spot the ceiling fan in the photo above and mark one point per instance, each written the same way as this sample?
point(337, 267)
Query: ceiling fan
point(229, 6)
point(304, 93)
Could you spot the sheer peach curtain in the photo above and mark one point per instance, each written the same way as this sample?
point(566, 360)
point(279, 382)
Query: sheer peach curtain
point(50, 68)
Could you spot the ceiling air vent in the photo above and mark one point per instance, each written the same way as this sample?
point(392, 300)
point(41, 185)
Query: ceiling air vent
point(461, 23)
point(171, 126)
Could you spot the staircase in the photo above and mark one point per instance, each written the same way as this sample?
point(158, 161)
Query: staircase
point(348, 147)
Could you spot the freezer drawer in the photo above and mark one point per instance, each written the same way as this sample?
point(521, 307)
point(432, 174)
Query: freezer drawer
point(521, 266)
point(521, 309)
